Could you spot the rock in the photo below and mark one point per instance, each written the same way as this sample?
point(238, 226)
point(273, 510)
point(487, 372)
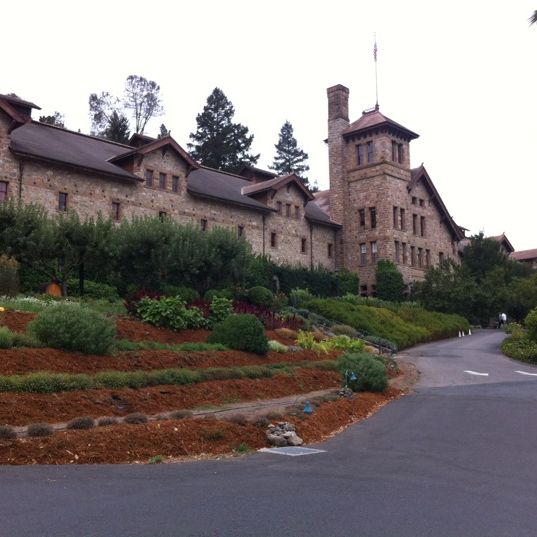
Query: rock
point(345, 392)
point(294, 440)
point(276, 440)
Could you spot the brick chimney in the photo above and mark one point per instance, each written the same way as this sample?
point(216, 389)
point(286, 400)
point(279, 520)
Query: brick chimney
point(338, 121)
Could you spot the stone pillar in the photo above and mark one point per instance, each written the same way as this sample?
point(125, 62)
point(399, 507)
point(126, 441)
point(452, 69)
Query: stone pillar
point(338, 121)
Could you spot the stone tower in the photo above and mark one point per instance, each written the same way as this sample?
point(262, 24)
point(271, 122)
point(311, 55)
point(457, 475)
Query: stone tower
point(387, 210)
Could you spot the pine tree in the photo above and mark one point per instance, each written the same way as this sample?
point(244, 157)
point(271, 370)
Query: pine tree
point(117, 128)
point(289, 157)
point(218, 142)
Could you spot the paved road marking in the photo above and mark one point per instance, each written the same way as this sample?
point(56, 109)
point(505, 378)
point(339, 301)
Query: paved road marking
point(292, 451)
point(526, 373)
point(476, 373)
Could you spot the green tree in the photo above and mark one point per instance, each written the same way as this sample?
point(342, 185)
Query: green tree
point(483, 255)
point(218, 142)
point(56, 119)
point(117, 128)
point(389, 282)
point(101, 109)
point(289, 157)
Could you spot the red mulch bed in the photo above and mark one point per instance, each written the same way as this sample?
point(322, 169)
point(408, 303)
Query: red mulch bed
point(180, 439)
point(16, 321)
point(26, 408)
point(139, 331)
point(26, 360)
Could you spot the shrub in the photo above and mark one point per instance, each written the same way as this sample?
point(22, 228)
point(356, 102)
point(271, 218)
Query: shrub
point(261, 296)
point(347, 282)
point(298, 298)
point(344, 342)
point(389, 281)
point(93, 289)
point(7, 339)
point(221, 308)
point(73, 328)
point(520, 348)
point(107, 420)
point(276, 346)
point(85, 422)
point(241, 332)
point(6, 431)
point(157, 459)
point(136, 418)
point(170, 312)
point(188, 294)
point(181, 414)
point(531, 324)
point(40, 429)
point(371, 374)
point(9, 276)
point(24, 339)
point(220, 293)
point(344, 330)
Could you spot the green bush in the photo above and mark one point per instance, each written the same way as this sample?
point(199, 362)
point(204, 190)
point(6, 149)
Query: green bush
point(348, 282)
point(24, 339)
point(188, 294)
point(520, 348)
point(82, 423)
point(261, 296)
point(9, 276)
point(170, 312)
point(7, 339)
point(73, 328)
point(531, 324)
point(344, 330)
point(221, 308)
point(298, 298)
point(389, 281)
point(371, 374)
point(276, 346)
point(241, 332)
point(220, 293)
point(95, 290)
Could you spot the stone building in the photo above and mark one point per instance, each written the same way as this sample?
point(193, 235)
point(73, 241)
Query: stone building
point(377, 207)
point(526, 256)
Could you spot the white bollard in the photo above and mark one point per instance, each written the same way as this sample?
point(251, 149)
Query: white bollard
point(470, 332)
point(460, 333)
point(463, 334)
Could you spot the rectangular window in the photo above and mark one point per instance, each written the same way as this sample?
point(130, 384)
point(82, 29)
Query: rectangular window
point(420, 257)
point(400, 153)
point(403, 248)
point(412, 256)
point(240, 231)
point(303, 244)
point(363, 254)
point(397, 252)
point(422, 225)
point(414, 200)
point(297, 212)
point(394, 151)
point(422, 203)
point(62, 201)
point(370, 152)
point(361, 217)
point(288, 210)
point(149, 178)
point(363, 290)
point(441, 257)
point(3, 190)
point(116, 211)
point(395, 217)
point(162, 215)
point(273, 240)
point(162, 181)
point(373, 217)
point(403, 222)
point(330, 249)
point(279, 207)
point(203, 224)
point(415, 224)
point(360, 154)
point(175, 183)
point(427, 258)
point(373, 252)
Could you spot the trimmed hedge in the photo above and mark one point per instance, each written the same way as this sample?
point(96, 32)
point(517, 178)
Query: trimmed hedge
point(371, 374)
point(260, 296)
point(70, 327)
point(242, 332)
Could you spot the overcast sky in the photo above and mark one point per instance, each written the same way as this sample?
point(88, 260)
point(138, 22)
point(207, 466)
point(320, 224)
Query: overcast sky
point(461, 74)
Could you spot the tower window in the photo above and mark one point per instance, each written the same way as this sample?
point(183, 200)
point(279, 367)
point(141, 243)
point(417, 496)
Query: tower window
point(420, 257)
point(330, 249)
point(162, 181)
point(149, 178)
point(62, 201)
point(413, 256)
point(394, 150)
point(427, 258)
point(175, 183)
point(303, 244)
point(400, 153)
point(403, 248)
point(363, 254)
point(273, 240)
point(415, 224)
point(370, 152)
point(422, 226)
point(403, 222)
point(360, 158)
point(3, 190)
point(414, 200)
point(373, 252)
point(361, 217)
point(373, 217)
point(395, 217)
point(397, 252)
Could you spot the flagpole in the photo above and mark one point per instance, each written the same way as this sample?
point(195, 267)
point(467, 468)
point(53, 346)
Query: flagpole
point(376, 76)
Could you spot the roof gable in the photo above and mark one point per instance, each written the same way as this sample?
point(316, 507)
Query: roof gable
point(166, 141)
point(276, 184)
point(420, 175)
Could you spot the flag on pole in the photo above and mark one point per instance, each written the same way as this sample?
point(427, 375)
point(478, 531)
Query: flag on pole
point(375, 50)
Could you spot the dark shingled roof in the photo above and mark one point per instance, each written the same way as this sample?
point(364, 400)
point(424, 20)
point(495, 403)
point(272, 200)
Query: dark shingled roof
point(46, 142)
point(525, 255)
point(277, 183)
point(221, 186)
point(317, 215)
point(373, 119)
